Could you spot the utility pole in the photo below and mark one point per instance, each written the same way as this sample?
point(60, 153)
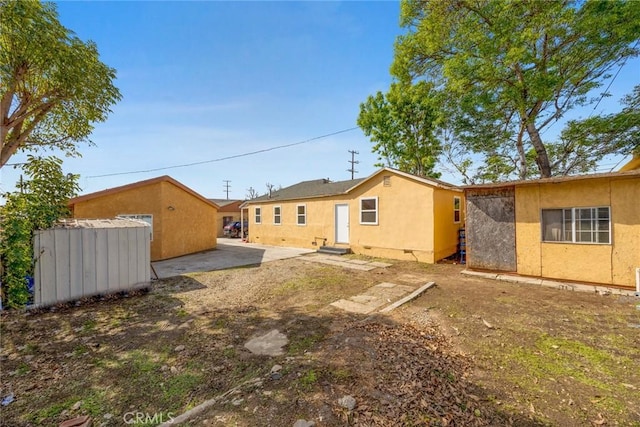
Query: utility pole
point(226, 187)
point(353, 162)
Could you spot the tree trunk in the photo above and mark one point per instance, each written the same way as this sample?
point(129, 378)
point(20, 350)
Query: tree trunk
point(522, 155)
point(542, 159)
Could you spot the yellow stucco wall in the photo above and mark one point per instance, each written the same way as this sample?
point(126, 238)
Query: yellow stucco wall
point(319, 223)
point(445, 228)
point(625, 209)
point(528, 230)
point(189, 227)
point(599, 263)
point(409, 226)
point(405, 220)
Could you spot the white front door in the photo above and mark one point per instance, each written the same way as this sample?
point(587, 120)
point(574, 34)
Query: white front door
point(342, 223)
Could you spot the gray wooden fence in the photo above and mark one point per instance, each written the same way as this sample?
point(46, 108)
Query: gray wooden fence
point(81, 258)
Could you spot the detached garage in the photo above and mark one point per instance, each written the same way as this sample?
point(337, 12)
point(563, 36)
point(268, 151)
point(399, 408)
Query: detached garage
point(182, 221)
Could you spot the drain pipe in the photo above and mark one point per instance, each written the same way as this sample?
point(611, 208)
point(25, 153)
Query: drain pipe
point(638, 281)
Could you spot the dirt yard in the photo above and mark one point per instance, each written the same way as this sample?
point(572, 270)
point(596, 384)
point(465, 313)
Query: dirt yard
point(468, 352)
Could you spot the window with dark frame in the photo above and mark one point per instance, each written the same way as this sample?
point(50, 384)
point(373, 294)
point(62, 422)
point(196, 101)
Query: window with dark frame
point(456, 209)
point(277, 218)
point(258, 215)
point(301, 214)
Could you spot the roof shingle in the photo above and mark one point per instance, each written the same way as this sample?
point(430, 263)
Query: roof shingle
point(309, 189)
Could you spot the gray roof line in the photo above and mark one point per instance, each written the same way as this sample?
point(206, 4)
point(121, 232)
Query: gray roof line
point(309, 189)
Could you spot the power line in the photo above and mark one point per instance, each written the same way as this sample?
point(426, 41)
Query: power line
point(612, 80)
point(264, 150)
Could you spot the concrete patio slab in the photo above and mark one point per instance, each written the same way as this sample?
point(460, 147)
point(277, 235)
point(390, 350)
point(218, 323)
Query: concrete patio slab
point(229, 253)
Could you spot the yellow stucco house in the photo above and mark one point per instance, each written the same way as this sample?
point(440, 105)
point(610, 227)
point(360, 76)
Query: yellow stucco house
point(576, 228)
point(390, 214)
point(182, 221)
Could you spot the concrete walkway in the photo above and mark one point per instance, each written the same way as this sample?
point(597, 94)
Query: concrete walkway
point(228, 254)
point(571, 286)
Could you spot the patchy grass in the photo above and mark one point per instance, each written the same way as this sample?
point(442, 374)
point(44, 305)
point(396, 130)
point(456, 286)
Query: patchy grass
point(561, 358)
point(308, 379)
point(550, 358)
point(557, 358)
point(300, 344)
point(89, 325)
point(324, 277)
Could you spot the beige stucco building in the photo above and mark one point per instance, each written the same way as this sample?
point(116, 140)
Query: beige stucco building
point(390, 214)
point(182, 221)
point(577, 228)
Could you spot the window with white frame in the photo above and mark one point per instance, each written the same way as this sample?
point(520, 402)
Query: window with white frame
point(301, 211)
point(277, 217)
point(577, 225)
point(148, 218)
point(456, 209)
point(369, 210)
point(258, 215)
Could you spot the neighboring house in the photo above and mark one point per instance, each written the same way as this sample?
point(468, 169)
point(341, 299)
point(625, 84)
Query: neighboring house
point(182, 221)
point(229, 211)
point(390, 214)
point(577, 228)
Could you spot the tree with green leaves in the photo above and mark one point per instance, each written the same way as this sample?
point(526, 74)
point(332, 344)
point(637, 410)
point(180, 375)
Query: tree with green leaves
point(53, 86)
point(402, 124)
point(40, 202)
point(514, 68)
point(583, 142)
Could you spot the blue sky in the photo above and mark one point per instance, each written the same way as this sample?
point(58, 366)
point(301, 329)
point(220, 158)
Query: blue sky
point(207, 80)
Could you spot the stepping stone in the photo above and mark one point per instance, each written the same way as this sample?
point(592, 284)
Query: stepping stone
point(269, 344)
